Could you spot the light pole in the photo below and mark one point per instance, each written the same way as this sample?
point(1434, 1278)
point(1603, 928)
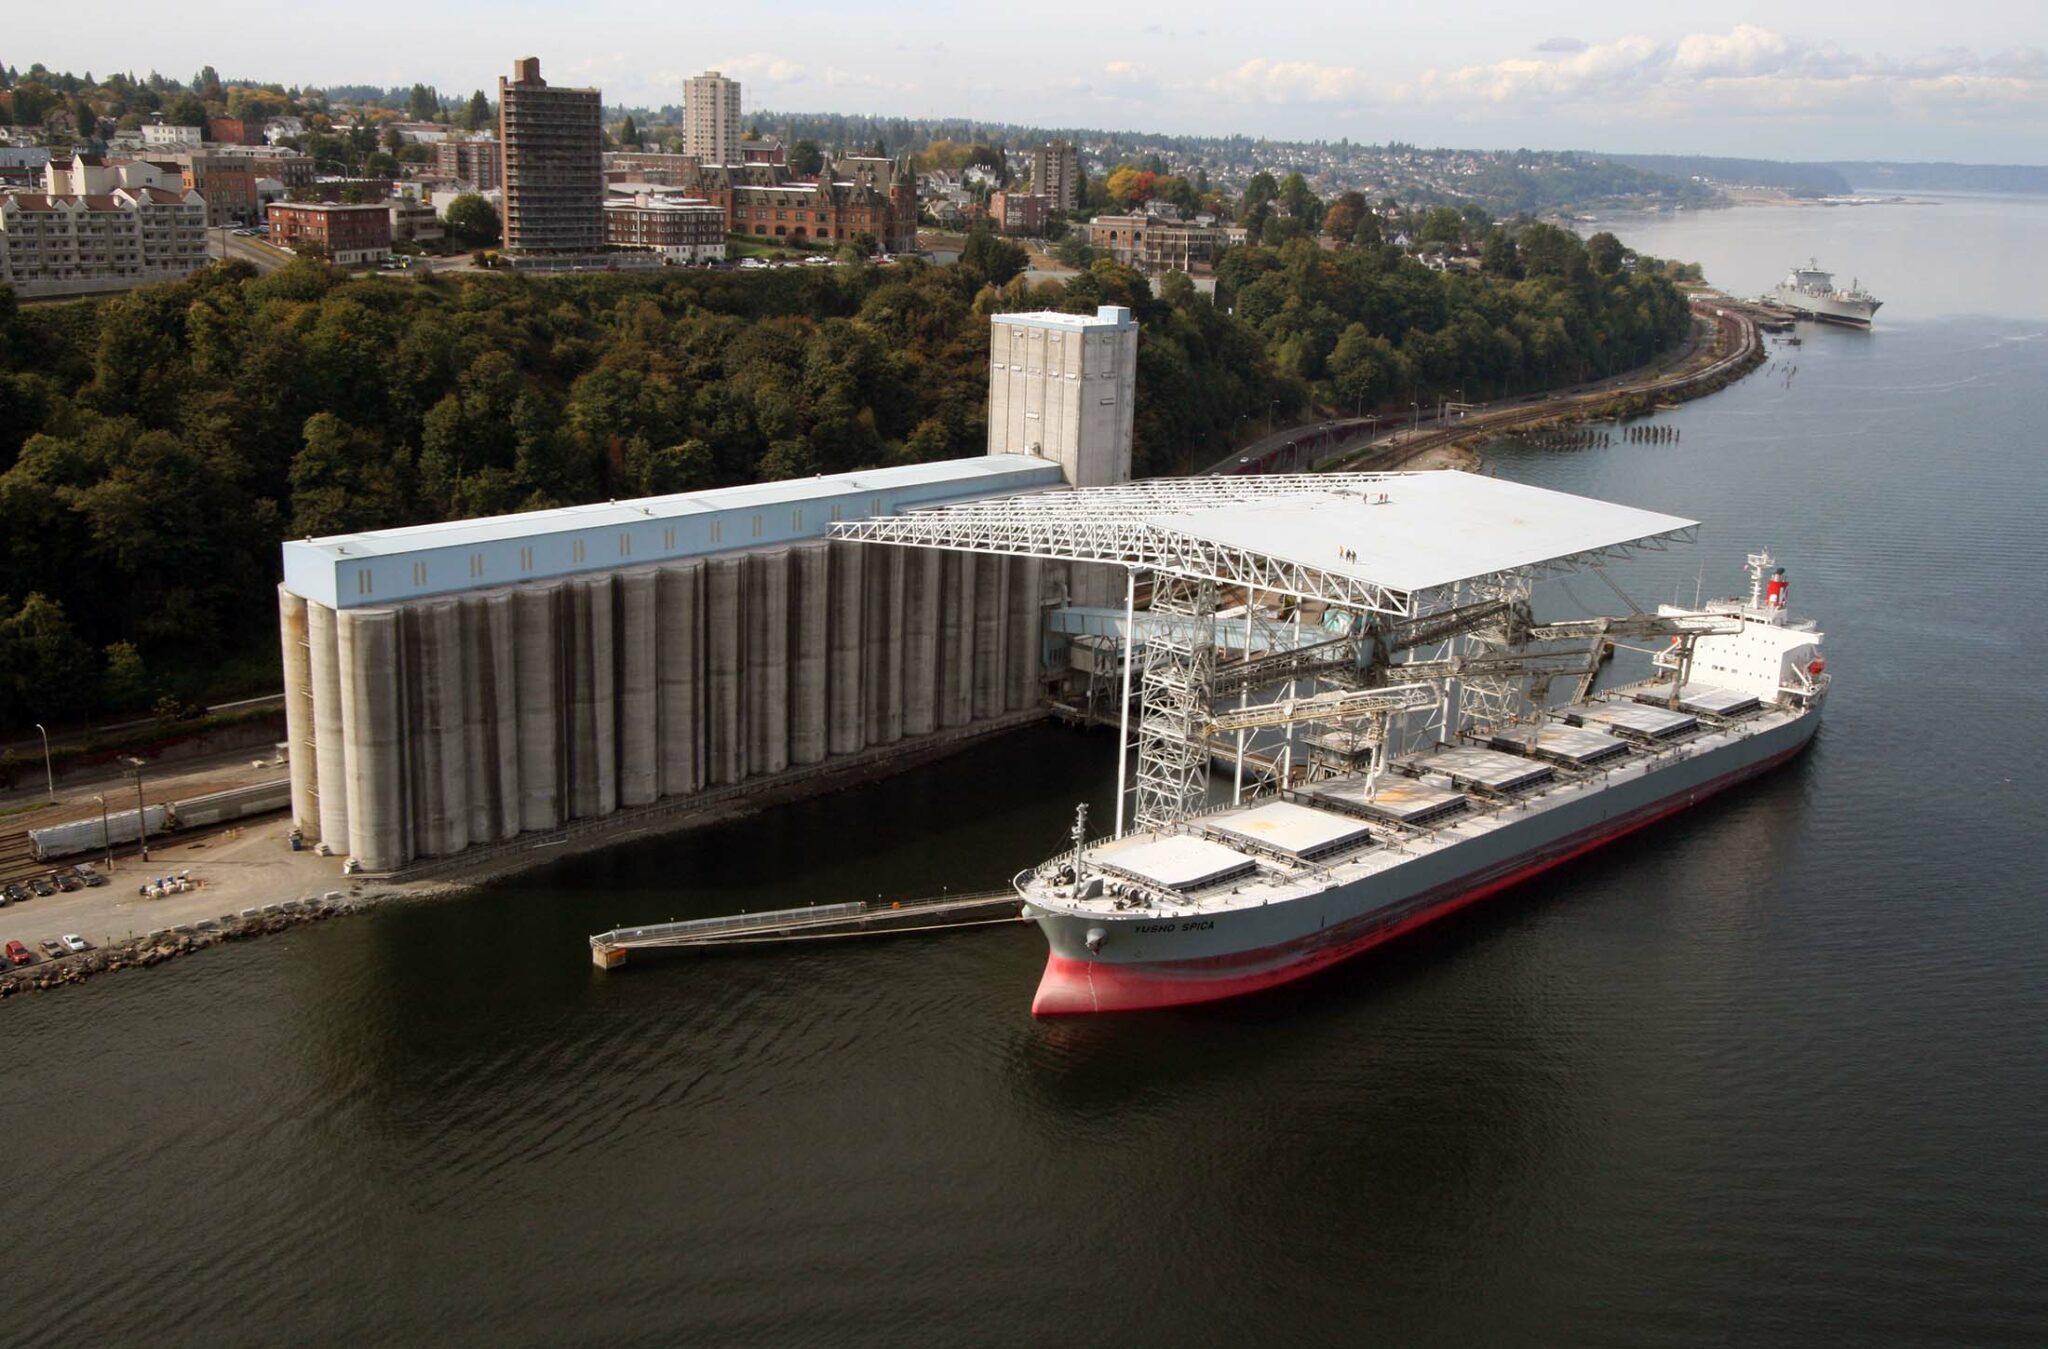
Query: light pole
point(1271, 408)
point(106, 834)
point(49, 774)
point(141, 811)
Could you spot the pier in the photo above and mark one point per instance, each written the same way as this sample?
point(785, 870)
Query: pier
point(817, 922)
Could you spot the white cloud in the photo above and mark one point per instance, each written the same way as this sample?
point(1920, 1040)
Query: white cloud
point(1744, 71)
point(760, 68)
point(1263, 81)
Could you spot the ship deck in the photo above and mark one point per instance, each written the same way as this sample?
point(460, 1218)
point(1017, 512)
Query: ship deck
point(1340, 830)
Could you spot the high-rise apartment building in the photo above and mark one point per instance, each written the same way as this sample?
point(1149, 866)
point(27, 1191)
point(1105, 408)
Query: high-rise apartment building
point(711, 118)
point(552, 142)
point(1056, 174)
point(471, 159)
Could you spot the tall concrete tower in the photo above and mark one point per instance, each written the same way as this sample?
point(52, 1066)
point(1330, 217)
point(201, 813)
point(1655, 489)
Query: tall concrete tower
point(553, 141)
point(1064, 386)
point(711, 118)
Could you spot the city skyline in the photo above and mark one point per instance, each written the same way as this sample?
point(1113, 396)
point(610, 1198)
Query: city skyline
point(1840, 81)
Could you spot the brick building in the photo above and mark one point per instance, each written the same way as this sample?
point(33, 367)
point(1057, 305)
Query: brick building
point(1056, 174)
point(1019, 212)
point(1154, 245)
point(479, 162)
point(680, 229)
point(648, 166)
point(233, 131)
point(227, 182)
point(351, 233)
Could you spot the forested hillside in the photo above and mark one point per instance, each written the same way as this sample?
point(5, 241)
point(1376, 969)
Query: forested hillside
point(155, 447)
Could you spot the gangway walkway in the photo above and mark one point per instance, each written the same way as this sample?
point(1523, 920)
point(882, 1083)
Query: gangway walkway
point(817, 922)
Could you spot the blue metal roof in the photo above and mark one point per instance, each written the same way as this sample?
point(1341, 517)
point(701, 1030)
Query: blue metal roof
point(388, 566)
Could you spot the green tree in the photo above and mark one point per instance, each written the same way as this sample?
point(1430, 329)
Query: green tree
point(1444, 226)
point(629, 134)
point(344, 480)
point(805, 159)
point(126, 686)
point(1605, 252)
point(472, 221)
point(990, 257)
point(46, 672)
point(184, 110)
point(479, 114)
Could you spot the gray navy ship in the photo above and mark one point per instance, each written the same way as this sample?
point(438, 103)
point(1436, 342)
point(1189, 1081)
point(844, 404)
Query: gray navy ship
point(1810, 292)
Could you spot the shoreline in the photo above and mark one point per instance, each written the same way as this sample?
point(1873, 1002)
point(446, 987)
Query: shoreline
point(322, 892)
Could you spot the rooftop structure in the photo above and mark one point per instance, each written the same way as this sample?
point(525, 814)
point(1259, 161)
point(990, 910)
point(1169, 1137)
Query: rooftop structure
point(1064, 386)
point(1401, 559)
point(387, 566)
point(1391, 543)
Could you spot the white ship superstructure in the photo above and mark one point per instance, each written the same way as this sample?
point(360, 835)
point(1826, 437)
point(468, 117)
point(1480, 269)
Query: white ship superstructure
point(1810, 292)
point(1401, 735)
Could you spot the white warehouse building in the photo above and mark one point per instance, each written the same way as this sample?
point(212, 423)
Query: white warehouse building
point(461, 684)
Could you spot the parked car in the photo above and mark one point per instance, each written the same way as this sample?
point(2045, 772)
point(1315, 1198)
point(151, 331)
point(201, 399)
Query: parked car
point(53, 948)
point(85, 871)
point(41, 886)
point(17, 954)
point(65, 881)
point(16, 892)
point(75, 943)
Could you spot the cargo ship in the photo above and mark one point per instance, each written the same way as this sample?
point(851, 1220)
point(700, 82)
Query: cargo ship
point(1402, 736)
point(1810, 292)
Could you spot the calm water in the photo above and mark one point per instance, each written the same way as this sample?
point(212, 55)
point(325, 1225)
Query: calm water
point(1772, 1076)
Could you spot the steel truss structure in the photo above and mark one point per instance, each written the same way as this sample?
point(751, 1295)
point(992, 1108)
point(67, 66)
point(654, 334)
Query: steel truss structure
point(1472, 627)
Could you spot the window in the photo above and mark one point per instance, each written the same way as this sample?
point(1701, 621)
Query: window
point(476, 564)
point(835, 515)
point(576, 551)
point(668, 539)
point(717, 530)
point(757, 526)
point(526, 558)
point(874, 506)
point(625, 545)
point(796, 522)
point(364, 584)
point(419, 573)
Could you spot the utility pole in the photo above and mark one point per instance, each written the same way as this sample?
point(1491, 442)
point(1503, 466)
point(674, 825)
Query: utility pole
point(49, 774)
point(106, 834)
point(141, 811)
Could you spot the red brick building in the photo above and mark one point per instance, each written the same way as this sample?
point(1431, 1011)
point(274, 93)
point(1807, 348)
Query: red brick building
point(876, 197)
point(349, 233)
point(1020, 212)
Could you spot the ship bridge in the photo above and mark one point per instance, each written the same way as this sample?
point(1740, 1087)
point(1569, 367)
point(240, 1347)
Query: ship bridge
point(1436, 563)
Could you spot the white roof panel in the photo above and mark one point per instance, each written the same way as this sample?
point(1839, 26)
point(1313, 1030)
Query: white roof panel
point(1175, 861)
point(1417, 530)
point(1283, 826)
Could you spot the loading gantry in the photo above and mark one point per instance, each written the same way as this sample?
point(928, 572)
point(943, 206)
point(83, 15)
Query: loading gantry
point(1322, 612)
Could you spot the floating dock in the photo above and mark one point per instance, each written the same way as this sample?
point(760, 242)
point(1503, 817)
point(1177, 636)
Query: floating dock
point(817, 922)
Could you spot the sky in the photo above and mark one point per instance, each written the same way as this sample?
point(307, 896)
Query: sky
point(1824, 79)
